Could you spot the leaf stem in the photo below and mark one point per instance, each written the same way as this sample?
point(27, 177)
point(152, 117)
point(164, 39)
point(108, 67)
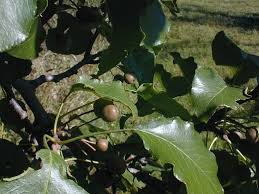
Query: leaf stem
point(92, 134)
point(57, 119)
point(47, 138)
point(81, 160)
point(213, 142)
point(75, 109)
point(58, 115)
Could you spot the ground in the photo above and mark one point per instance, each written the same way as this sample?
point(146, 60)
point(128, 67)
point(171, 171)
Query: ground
point(199, 21)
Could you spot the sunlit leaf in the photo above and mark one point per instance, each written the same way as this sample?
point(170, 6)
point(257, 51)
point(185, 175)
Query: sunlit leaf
point(176, 142)
point(17, 18)
point(51, 178)
point(110, 90)
point(154, 24)
point(209, 91)
point(29, 48)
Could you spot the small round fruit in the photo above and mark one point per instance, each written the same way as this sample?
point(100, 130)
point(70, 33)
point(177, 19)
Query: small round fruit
point(110, 113)
point(129, 78)
point(252, 135)
point(99, 105)
point(102, 145)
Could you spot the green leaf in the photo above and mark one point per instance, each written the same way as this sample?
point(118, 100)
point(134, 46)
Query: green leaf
point(141, 62)
point(162, 102)
point(209, 91)
point(29, 48)
point(112, 90)
point(51, 178)
point(176, 142)
point(154, 24)
point(126, 32)
point(132, 182)
point(17, 18)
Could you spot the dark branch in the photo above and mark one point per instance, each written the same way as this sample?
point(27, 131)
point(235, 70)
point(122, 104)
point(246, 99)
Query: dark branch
point(27, 91)
point(57, 78)
point(12, 101)
point(88, 59)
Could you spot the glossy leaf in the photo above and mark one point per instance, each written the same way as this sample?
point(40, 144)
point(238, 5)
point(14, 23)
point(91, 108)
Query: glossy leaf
point(209, 91)
point(154, 24)
point(27, 49)
point(17, 18)
point(141, 62)
point(111, 90)
point(176, 142)
point(51, 178)
point(163, 103)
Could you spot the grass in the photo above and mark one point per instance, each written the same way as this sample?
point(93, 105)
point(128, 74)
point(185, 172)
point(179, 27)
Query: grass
point(199, 21)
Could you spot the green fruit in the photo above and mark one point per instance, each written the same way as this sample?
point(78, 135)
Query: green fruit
point(252, 135)
point(110, 113)
point(129, 78)
point(102, 145)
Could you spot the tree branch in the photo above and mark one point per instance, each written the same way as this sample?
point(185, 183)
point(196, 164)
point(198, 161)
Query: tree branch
point(88, 59)
point(57, 78)
point(27, 91)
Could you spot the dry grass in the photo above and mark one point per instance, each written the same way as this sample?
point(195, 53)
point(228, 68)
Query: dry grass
point(199, 21)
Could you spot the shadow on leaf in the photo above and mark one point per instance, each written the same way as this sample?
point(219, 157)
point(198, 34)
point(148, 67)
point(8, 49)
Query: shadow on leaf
point(14, 161)
point(178, 85)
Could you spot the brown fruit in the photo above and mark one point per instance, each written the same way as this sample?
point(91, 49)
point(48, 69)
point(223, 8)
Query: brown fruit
point(129, 78)
point(102, 145)
point(252, 135)
point(110, 113)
